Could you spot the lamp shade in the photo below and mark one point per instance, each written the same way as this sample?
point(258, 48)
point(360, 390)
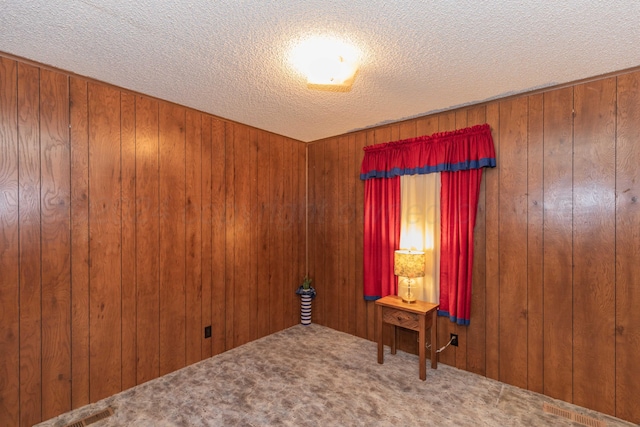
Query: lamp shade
point(408, 263)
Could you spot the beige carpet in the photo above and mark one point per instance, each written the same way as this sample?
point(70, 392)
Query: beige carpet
point(315, 376)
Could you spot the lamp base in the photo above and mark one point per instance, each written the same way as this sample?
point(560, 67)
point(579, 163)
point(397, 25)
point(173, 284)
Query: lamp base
point(409, 299)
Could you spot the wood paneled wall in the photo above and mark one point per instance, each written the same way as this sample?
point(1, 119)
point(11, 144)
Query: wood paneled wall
point(555, 283)
point(129, 224)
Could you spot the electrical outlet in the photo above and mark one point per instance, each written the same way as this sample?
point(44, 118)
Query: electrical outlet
point(207, 331)
point(454, 340)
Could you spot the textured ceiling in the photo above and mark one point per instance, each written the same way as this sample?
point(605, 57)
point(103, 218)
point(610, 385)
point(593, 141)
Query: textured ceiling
point(229, 58)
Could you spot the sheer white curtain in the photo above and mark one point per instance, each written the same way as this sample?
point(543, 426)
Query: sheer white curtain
point(420, 230)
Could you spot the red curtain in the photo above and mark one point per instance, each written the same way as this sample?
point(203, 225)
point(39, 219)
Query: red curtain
point(458, 208)
point(381, 232)
point(463, 149)
point(460, 155)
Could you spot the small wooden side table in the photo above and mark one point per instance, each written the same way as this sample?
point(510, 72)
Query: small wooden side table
point(418, 316)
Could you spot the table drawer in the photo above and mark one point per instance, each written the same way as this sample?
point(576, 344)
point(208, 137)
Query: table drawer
point(400, 318)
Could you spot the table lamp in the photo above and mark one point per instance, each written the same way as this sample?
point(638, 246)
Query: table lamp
point(409, 264)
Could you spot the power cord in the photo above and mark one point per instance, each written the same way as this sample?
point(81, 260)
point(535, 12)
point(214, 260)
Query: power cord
point(443, 347)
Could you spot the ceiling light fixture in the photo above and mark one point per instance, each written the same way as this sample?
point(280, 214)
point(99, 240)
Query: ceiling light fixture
point(327, 62)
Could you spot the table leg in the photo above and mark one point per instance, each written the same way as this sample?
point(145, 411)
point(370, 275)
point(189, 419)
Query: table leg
point(434, 339)
point(380, 334)
point(421, 347)
point(394, 337)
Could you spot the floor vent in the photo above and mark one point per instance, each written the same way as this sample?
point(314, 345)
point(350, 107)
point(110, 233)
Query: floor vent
point(573, 416)
point(92, 418)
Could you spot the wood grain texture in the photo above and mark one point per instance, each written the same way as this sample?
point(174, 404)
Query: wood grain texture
point(289, 222)
point(262, 238)
point(55, 243)
point(361, 304)
point(9, 249)
point(172, 237)
point(301, 200)
point(315, 212)
point(476, 331)
point(349, 209)
point(594, 205)
point(242, 239)
point(627, 291)
point(276, 241)
point(128, 230)
point(332, 222)
point(407, 130)
point(29, 246)
point(342, 226)
point(558, 251)
point(492, 247)
point(193, 240)
point(105, 296)
point(117, 224)
point(218, 236)
point(230, 235)
point(254, 232)
point(513, 248)
point(147, 240)
point(535, 201)
point(78, 119)
point(206, 242)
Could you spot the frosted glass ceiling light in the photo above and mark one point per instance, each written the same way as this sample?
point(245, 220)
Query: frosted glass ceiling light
point(327, 62)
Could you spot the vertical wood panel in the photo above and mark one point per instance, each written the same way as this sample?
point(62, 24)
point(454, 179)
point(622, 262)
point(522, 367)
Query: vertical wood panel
point(361, 304)
point(394, 131)
point(230, 234)
point(350, 209)
point(29, 232)
point(78, 115)
point(594, 227)
point(558, 254)
point(513, 248)
point(218, 239)
point(289, 222)
point(627, 292)
point(56, 266)
point(342, 232)
point(242, 246)
point(262, 277)
point(254, 230)
point(129, 327)
point(147, 240)
point(303, 265)
point(492, 303)
point(276, 242)
point(427, 125)
point(476, 330)
point(105, 314)
point(407, 130)
point(172, 237)
point(535, 162)
point(9, 279)
point(316, 236)
point(193, 217)
point(207, 255)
